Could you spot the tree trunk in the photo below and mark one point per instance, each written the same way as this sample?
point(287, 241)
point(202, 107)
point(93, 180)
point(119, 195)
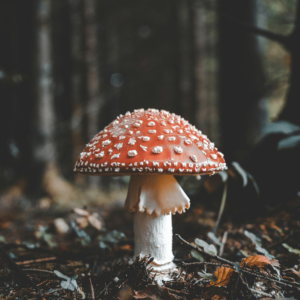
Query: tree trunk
point(241, 80)
point(186, 58)
point(291, 109)
point(77, 81)
point(93, 102)
point(45, 151)
point(61, 45)
point(205, 102)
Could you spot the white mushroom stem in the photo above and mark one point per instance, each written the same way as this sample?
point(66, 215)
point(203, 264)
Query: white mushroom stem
point(153, 235)
point(154, 198)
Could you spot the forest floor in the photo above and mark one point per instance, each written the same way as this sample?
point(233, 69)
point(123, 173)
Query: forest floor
point(47, 252)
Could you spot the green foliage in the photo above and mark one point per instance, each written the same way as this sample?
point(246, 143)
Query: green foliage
point(82, 236)
point(195, 254)
point(46, 237)
point(206, 247)
point(69, 283)
point(292, 250)
point(112, 237)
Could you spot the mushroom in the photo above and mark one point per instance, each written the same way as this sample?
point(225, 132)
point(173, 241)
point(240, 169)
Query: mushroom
point(152, 146)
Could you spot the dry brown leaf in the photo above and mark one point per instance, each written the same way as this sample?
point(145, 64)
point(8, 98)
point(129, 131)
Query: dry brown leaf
point(82, 222)
point(87, 218)
point(94, 221)
point(258, 261)
point(223, 276)
point(275, 263)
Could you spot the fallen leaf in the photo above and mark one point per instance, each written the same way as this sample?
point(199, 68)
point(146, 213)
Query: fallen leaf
point(258, 261)
point(61, 226)
point(195, 254)
point(255, 239)
point(124, 248)
point(223, 276)
point(291, 249)
point(69, 283)
point(246, 253)
point(264, 252)
point(202, 244)
point(275, 263)
point(212, 249)
point(266, 237)
point(212, 236)
point(82, 222)
point(208, 276)
point(87, 219)
point(81, 212)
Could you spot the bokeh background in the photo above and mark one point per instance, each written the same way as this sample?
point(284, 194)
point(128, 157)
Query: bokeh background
point(69, 67)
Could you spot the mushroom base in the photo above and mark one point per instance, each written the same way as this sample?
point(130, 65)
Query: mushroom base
point(153, 235)
point(163, 273)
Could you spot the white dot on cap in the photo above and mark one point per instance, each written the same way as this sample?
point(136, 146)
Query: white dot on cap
point(193, 158)
point(132, 153)
point(178, 149)
point(157, 149)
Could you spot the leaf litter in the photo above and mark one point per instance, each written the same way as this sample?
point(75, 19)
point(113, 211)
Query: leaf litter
point(99, 259)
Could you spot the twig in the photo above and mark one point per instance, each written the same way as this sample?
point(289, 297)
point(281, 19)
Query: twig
point(260, 293)
point(223, 201)
point(254, 290)
point(37, 270)
point(92, 290)
point(282, 282)
point(94, 265)
point(223, 243)
point(248, 287)
point(179, 292)
point(27, 262)
point(280, 241)
point(205, 263)
point(42, 282)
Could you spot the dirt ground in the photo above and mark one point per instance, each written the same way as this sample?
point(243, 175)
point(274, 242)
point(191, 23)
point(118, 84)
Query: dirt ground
point(50, 252)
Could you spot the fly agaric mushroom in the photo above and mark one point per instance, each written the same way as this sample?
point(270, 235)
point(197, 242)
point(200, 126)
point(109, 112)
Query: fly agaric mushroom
point(152, 146)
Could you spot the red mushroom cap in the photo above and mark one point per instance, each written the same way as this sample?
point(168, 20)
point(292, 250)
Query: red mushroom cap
point(150, 141)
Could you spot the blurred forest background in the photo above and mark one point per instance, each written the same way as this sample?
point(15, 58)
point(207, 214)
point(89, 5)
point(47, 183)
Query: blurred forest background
point(69, 67)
